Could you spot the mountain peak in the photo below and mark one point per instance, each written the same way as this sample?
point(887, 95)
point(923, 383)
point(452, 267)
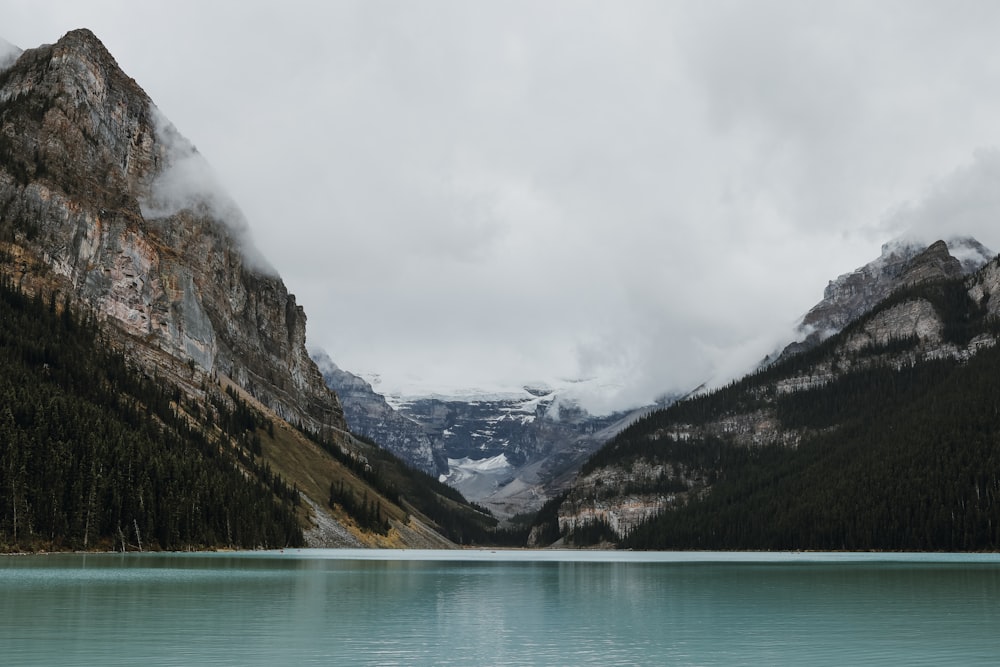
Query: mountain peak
point(72, 117)
point(934, 263)
point(105, 193)
point(83, 46)
point(83, 43)
point(903, 261)
point(82, 39)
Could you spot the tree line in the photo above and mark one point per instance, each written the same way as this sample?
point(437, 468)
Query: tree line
point(892, 456)
point(95, 454)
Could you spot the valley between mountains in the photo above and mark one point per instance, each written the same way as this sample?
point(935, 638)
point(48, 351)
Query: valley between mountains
point(158, 392)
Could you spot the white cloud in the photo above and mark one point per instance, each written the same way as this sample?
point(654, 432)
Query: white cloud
point(646, 193)
point(8, 53)
point(966, 200)
point(188, 183)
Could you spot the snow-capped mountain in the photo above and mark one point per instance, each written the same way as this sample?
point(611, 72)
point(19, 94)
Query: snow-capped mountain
point(509, 450)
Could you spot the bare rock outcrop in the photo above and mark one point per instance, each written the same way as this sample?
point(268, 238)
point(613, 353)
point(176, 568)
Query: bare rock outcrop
point(105, 203)
point(901, 264)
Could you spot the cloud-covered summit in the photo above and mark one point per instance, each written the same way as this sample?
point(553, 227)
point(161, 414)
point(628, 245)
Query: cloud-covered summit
point(8, 53)
point(649, 193)
point(188, 183)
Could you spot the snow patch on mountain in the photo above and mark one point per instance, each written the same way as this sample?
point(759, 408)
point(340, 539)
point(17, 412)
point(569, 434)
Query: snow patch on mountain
point(476, 478)
point(598, 397)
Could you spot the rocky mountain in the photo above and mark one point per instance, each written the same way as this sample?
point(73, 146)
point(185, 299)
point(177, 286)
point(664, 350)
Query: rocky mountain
point(511, 453)
point(96, 454)
point(850, 414)
point(106, 210)
point(508, 452)
point(368, 414)
point(104, 202)
point(853, 294)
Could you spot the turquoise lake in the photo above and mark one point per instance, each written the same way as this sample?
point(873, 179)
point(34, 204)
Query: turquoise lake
point(347, 607)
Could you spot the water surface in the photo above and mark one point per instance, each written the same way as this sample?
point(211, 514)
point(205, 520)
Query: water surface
point(346, 607)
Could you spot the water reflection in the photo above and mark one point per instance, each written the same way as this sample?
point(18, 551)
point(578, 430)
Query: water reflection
point(248, 609)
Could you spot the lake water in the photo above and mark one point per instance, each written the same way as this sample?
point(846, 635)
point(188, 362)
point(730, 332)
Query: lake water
point(346, 607)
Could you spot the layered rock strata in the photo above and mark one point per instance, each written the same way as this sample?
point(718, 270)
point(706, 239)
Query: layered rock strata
point(103, 202)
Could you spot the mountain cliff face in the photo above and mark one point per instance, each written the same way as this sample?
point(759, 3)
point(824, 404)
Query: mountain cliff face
point(512, 453)
point(368, 414)
point(853, 294)
point(110, 218)
point(676, 456)
point(104, 203)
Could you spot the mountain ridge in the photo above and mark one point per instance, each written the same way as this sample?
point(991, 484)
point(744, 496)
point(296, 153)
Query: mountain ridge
point(476, 444)
point(851, 295)
point(667, 466)
point(78, 197)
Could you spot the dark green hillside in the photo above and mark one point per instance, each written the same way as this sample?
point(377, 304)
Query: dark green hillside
point(96, 455)
point(896, 454)
point(963, 320)
point(920, 472)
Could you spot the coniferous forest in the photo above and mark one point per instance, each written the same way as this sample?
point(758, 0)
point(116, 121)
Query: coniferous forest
point(94, 454)
point(893, 457)
point(923, 476)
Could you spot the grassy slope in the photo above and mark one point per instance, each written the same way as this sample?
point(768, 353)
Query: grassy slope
point(302, 462)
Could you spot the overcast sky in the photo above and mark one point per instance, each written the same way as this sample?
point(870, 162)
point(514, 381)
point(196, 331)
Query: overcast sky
point(483, 194)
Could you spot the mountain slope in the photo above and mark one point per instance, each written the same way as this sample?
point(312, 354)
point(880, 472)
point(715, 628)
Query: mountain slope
point(103, 194)
point(97, 455)
point(872, 430)
point(108, 212)
point(922, 473)
point(369, 414)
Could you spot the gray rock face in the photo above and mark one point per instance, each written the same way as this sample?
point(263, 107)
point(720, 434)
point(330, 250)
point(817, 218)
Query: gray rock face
point(102, 201)
point(934, 263)
point(368, 414)
point(509, 453)
point(986, 288)
point(901, 263)
point(910, 319)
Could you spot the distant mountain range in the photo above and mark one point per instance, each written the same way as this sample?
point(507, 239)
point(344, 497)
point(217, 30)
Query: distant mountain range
point(509, 452)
